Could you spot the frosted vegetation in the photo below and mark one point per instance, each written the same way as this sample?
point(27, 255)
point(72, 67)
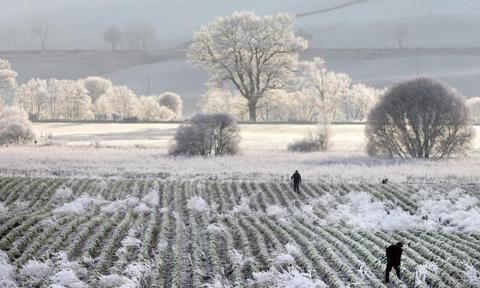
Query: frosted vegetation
point(234, 233)
point(92, 98)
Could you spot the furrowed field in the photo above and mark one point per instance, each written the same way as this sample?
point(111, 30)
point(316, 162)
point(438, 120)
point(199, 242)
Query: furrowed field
point(145, 232)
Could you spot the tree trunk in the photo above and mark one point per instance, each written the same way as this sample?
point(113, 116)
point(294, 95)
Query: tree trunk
point(252, 109)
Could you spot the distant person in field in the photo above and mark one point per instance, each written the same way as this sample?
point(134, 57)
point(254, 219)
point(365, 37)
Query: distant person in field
point(385, 181)
point(394, 254)
point(297, 179)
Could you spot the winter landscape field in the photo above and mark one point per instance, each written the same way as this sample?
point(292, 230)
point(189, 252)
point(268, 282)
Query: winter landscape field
point(182, 233)
point(239, 144)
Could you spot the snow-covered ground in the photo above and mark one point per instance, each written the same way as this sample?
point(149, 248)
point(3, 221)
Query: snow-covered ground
point(265, 137)
point(98, 150)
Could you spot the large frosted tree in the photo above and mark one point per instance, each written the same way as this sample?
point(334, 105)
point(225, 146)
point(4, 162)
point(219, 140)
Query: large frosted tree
point(255, 54)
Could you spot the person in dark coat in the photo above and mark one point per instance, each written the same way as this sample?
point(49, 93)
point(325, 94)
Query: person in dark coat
point(394, 255)
point(297, 179)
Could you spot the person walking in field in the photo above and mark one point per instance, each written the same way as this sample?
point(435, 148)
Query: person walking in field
point(394, 254)
point(297, 179)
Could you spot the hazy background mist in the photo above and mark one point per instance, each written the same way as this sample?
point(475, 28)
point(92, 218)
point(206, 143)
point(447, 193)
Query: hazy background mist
point(441, 39)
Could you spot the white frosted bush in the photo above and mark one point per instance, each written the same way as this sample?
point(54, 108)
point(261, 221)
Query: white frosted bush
point(120, 205)
point(277, 211)
point(36, 269)
point(362, 212)
point(283, 259)
point(152, 198)
point(198, 204)
point(173, 102)
point(293, 249)
point(142, 208)
point(15, 128)
point(78, 206)
point(243, 207)
point(62, 193)
point(67, 278)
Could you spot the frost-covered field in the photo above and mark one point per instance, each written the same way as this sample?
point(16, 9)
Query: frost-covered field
point(154, 233)
point(133, 150)
point(158, 135)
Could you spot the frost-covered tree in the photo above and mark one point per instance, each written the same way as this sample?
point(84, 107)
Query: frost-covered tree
point(254, 54)
point(363, 99)
point(96, 86)
point(173, 102)
point(54, 99)
point(75, 100)
point(15, 128)
point(275, 106)
point(140, 36)
point(32, 97)
point(8, 81)
point(207, 134)
point(102, 108)
point(327, 87)
point(302, 106)
point(150, 110)
point(340, 86)
point(113, 36)
point(473, 105)
point(123, 102)
point(419, 118)
point(224, 101)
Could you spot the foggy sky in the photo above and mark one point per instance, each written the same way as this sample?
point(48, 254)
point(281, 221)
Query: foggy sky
point(80, 24)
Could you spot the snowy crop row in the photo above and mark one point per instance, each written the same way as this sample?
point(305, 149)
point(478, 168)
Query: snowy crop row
point(91, 233)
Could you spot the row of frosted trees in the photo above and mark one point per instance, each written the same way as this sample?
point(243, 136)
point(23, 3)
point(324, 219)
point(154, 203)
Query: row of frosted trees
point(85, 99)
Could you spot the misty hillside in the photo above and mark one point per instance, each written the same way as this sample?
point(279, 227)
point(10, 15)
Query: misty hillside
point(330, 23)
point(357, 37)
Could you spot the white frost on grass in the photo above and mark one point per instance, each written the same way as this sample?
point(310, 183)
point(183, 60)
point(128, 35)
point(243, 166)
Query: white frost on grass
point(216, 228)
point(62, 193)
point(454, 211)
point(78, 206)
point(197, 204)
point(3, 210)
point(423, 273)
point(346, 167)
point(67, 278)
point(243, 207)
point(138, 270)
point(293, 249)
point(116, 280)
point(291, 278)
point(362, 212)
point(239, 259)
point(142, 208)
point(472, 276)
point(20, 205)
point(152, 198)
point(120, 205)
point(283, 259)
point(7, 271)
point(37, 270)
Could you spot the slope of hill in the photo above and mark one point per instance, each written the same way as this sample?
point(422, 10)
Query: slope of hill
point(332, 23)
